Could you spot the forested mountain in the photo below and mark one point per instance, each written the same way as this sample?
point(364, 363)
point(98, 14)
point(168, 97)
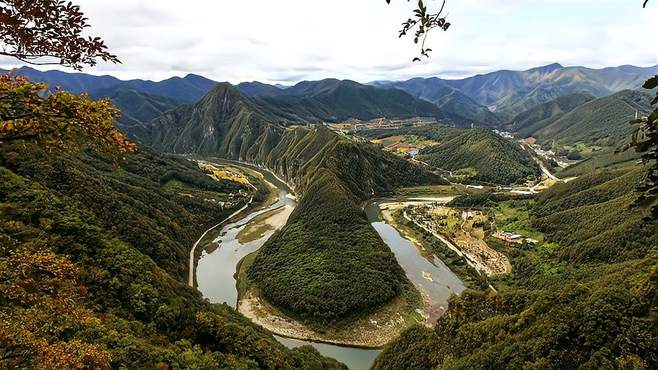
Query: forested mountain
point(256, 88)
point(136, 108)
point(338, 100)
point(93, 264)
point(332, 174)
point(587, 300)
point(508, 93)
point(483, 156)
point(601, 122)
point(448, 99)
point(186, 89)
point(538, 116)
point(227, 123)
point(222, 123)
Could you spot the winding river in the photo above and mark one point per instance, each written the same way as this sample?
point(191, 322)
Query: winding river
point(217, 266)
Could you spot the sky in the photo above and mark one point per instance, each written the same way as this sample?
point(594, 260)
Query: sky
point(286, 41)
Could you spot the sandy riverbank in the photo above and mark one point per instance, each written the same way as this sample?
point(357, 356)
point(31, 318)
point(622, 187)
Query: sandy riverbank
point(373, 331)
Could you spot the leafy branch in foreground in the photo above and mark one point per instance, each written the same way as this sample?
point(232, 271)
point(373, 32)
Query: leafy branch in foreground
point(59, 120)
point(645, 140)
point(44, 32)
point(422, 23)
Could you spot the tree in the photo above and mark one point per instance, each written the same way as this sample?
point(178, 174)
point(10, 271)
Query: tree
point(31, 30)
point(58, 120)
point(645, 141)
point(423, 22)
point(49, 32)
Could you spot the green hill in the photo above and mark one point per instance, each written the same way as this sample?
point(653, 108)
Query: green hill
point(601, 122)
point(483, 156)
point(93, 262)
point(136, 108)
point(335, 100)
point(584, 299)
point(308, 268)
point(332, 175)
point(524, 124)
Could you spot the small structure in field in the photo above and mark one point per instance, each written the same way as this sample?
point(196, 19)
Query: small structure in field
point(509, 237)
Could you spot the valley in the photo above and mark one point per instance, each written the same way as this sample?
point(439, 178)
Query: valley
point(440, 223)
point(227, 253)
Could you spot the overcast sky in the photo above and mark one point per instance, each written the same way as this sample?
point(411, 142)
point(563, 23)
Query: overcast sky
point(285, 41)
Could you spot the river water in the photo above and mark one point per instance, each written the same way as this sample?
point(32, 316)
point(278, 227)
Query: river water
point(216, 269)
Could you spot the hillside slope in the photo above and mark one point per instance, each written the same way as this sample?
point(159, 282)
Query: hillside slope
point(584, 301)
point(601, 122)
point(491, 157)
point(525, 123)
point(332, 175)
point(108, 242)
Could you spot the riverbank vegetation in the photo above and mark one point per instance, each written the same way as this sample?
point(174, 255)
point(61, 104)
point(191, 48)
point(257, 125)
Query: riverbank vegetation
point(369, 331)
point(471, 278)
point(585, 297)
point(328, 264)
point(93, 254)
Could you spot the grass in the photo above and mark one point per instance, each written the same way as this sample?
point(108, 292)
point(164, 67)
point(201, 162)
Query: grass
point(401, 144)
point(258, 227)
point(513, 218)
point(241, 277)
point(434, 191)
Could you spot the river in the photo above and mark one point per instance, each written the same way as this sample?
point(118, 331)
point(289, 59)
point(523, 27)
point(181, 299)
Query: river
point(216, 269)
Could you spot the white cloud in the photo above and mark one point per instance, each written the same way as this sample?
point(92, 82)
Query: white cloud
point(289, 40)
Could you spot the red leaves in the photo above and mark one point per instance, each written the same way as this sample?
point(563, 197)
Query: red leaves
point(31, 30)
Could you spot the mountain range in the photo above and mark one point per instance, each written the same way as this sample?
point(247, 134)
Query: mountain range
point(508, 93)
point(492, 99)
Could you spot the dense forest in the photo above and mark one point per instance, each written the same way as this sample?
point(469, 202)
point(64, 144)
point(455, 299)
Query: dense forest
point(96, 279)
point(468, 154)
point(308, 268)
point(586, 300)
point(491, 157)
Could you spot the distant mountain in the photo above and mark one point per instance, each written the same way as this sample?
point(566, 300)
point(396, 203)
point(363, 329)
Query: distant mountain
point(136, 108)
point(334, 100)
point(187, 89)
point(256, 88)
point(508, 93)
point(528, 121)
point(447, 98)
point(602, 122)
point(482, 155)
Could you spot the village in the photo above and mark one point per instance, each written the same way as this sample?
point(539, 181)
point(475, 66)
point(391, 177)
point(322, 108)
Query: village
point(463, 231)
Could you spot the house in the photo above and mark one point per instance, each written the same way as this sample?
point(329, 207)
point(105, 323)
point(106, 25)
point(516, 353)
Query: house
point(509, 237)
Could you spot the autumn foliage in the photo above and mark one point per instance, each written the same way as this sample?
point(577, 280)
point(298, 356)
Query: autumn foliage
point(59, 120)
point(42, 302)
point(49, 32)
